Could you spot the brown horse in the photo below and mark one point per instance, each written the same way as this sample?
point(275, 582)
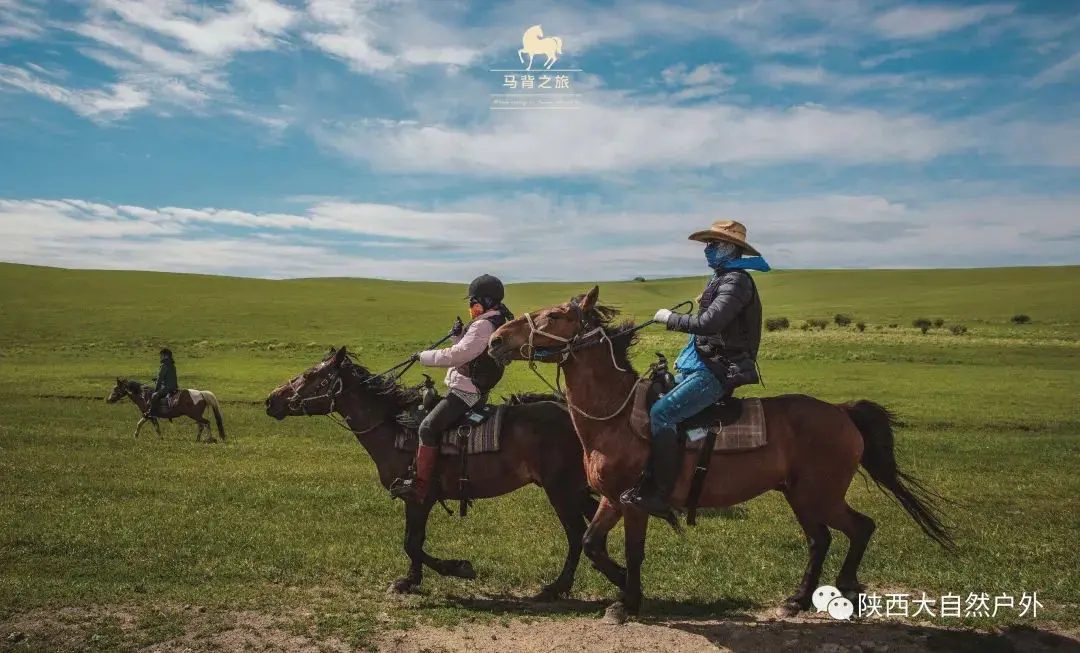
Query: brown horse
point(189, 403)
point(538, 445)
point(812, 453)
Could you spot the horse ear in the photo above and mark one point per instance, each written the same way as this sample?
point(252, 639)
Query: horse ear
point(589, 301)
point(340, 356)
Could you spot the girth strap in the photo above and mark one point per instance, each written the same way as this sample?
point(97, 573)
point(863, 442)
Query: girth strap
point(463, 434)
point(700, 471)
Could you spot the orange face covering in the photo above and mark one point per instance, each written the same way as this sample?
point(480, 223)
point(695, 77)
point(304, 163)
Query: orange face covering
point(475, 310)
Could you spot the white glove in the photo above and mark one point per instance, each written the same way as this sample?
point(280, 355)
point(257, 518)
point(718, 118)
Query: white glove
point(662, 315)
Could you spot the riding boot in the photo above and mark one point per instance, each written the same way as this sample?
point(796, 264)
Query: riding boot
point(666, 461)
point(417, 488)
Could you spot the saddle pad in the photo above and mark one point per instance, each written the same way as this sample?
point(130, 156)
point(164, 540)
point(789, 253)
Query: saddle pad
point(483, 438)
point(746, 434)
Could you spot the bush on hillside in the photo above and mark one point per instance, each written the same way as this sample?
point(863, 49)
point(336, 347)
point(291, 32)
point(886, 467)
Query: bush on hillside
point(842, 320)
point(894, 325)
point(639, 279)
point(861, 326)
point(818, 323)
point(777, 323)
point(805, 326)
point(1020, 319)
point(938, 323)
point(958, 329)
point(922, 324)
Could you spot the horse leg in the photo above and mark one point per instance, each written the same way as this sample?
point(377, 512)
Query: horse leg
point(415, 546)
point(858, 528)
point(416, 516)
point(595, 543)
point(818, 540)
point(635, 526)
point(568, 507)
point(157, 427)
point(138, 427)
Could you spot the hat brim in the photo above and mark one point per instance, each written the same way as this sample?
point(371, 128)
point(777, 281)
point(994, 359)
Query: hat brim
point(710, 235)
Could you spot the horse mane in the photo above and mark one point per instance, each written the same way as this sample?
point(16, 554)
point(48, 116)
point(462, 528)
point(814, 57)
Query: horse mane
point(619, 335)
point(131, 385)
point(401, 396)
point(520, 398)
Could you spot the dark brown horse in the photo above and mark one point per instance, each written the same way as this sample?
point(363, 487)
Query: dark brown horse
point(814, 449)
point(189, 403)
point(538, 446)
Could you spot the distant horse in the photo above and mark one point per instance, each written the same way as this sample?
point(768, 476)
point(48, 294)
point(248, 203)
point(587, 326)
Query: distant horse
point(538, 446)
point(188, 403)
point(534, 43)
point(812, 453)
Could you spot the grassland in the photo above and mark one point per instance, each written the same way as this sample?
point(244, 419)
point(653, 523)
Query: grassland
point(286, 519)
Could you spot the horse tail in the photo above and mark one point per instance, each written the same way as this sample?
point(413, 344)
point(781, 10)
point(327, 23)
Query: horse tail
point(216, 407)
point(558, 45)
point(875, 423)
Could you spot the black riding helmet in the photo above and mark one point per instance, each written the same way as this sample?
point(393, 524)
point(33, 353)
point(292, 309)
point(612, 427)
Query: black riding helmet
point(487, 291)
point(166, 353)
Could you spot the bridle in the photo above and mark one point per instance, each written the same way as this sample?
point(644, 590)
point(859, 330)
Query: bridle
point(336, 386)
point(578, 341)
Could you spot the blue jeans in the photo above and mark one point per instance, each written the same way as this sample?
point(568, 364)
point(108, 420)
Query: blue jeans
point(693, 393)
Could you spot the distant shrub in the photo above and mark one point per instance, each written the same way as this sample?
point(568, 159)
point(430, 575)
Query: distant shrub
point(805, 326)
point(1020, 319)
point(818, 323)
point(938, 323)
point(639, 279)
point(861, 326)
point(922, 324)
point(958, 329)
point(841, 319)
point(894, 325)
point(777, 323)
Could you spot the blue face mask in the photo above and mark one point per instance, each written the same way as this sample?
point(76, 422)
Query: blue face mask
point(717, 254)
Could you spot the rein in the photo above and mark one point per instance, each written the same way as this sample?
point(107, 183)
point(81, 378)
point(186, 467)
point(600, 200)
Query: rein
point(337, 386)
point(574, 343)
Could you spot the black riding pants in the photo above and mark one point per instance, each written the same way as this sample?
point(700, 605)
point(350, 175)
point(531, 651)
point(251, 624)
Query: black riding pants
point(156, 399)
point(448, 411)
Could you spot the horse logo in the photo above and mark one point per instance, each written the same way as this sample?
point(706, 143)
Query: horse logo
point(534, 43)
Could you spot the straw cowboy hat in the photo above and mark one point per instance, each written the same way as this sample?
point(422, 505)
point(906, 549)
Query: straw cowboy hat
point(728, 231)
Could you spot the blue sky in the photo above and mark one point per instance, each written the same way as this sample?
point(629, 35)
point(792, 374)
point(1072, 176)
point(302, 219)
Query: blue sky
point(278, 138)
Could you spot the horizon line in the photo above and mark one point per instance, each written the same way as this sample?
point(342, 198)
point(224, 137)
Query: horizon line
point(533, 281)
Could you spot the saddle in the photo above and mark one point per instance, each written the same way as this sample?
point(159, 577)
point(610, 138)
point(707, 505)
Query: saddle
point(738, 424)
point(168, 402)
point(477, 431)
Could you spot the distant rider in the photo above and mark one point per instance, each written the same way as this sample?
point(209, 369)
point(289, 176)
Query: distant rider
point(164, 385)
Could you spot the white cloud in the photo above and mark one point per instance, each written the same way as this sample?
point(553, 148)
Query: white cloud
point(874, 62)
point(20, 20)
point(782, 75)
point(927, 21)
point(538, 237)
point(611, 134)
point(115, 101)
point(1060, 72)
point(163, 53)
point(705, 80)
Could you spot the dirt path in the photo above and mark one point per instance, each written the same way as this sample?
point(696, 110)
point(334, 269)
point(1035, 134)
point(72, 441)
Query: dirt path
point(749, 636)
point(189, 629)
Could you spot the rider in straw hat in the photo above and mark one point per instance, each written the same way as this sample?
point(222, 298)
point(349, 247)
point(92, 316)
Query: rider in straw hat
point(720, 354)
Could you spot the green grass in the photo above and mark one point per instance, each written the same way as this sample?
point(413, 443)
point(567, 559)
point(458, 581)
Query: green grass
point(288, 516)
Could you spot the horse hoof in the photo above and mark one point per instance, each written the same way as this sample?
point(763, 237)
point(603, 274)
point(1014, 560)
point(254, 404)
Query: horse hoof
point(404, 585)
point(462, 569)
point(615, 614)
point(790, 608)
point(550, 594)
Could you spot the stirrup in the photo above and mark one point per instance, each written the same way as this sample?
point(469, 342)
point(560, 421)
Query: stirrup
point(402, 488)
